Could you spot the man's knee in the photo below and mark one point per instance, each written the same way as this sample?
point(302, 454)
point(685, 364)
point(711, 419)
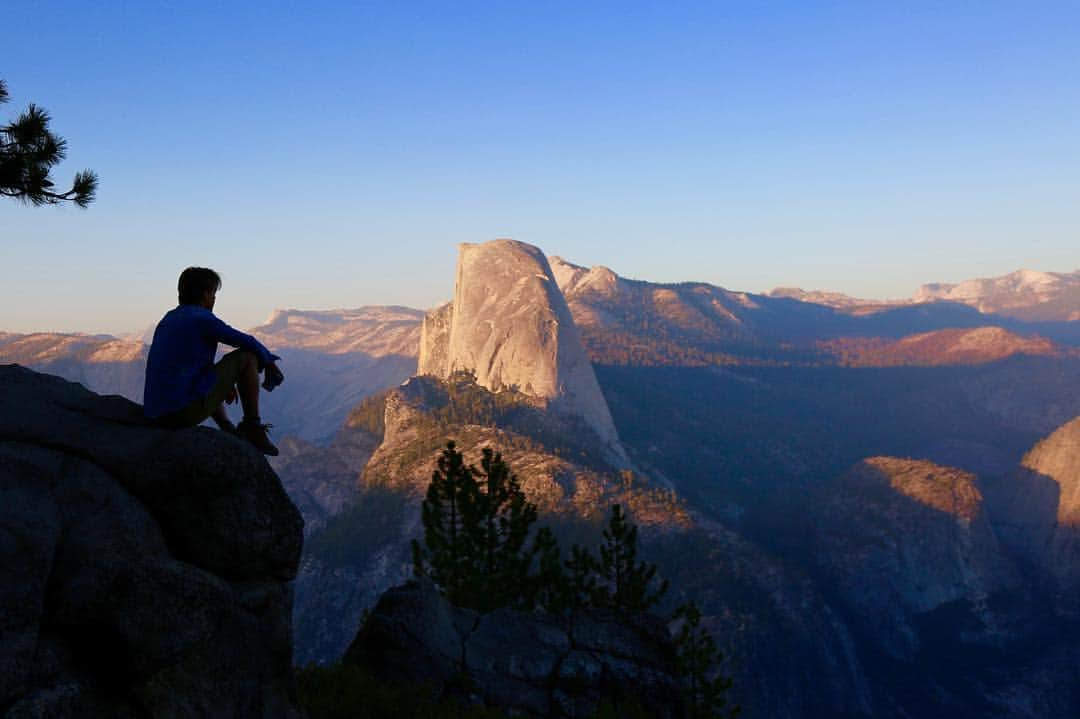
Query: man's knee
point(245, 359)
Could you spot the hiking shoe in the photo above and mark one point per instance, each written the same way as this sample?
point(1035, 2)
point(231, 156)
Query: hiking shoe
point(256, 434)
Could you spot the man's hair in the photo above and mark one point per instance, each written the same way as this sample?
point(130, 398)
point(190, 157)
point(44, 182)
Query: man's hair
point(195, 282)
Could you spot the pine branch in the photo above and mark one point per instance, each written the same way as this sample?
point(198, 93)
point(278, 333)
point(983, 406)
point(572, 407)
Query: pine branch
point(28, 153)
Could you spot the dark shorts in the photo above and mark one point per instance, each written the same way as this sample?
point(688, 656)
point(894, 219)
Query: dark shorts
point(227, 370)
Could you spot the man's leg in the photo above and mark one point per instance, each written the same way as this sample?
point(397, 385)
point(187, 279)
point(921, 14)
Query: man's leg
point(247, 385)
point(240, 369)
point(221, 419)
point(229, 370)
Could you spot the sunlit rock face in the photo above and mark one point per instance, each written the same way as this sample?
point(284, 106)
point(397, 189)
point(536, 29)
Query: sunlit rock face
point(1058, 457)
point(510, 325)
point(435, 341)
point(1037, 508)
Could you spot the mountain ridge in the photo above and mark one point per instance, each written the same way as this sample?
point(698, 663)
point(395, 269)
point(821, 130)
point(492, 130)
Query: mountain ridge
point(1023, 294)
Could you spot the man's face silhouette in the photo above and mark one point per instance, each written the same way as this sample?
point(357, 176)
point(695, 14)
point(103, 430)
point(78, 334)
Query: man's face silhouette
point(208, 299)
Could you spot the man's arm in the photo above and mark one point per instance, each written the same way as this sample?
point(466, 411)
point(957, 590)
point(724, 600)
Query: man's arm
point(215, 329)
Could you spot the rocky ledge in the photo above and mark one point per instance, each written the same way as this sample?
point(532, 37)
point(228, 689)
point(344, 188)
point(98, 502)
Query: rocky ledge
point(143, 572)
point(530, 663)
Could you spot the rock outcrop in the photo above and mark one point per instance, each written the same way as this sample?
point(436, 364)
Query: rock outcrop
point(364, 550)
point(536, 664)
point(901, 538)
point(510, 325)
point(143, 572)
point(1058, 457)
point(412, 442)
point(1036, 510)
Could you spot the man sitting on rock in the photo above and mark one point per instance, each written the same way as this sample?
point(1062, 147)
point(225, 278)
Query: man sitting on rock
point(184, 386)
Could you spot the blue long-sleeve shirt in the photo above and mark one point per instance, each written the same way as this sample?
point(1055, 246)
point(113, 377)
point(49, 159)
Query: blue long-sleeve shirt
point(180, 365)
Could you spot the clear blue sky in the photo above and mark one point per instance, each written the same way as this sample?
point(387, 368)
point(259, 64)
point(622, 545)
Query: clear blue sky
point(332, 154)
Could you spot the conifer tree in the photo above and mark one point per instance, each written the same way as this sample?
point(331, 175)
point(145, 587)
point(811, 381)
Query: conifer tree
point(502, 522)
point(28, 152)
point(447, 556)
point(548, 588)
point(699, 658)
point(476, 530)
point(627, 582)
point(580, 579)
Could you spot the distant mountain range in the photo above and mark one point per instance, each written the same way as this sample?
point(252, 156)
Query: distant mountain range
point(1024, 295)
point(373, 331)
point(633, 322)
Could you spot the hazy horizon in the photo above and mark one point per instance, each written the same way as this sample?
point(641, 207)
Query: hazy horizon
point(333, 155)
point(222, 308)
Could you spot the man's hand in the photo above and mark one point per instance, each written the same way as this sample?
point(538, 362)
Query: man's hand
point(272, 377)
point(230, 398)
